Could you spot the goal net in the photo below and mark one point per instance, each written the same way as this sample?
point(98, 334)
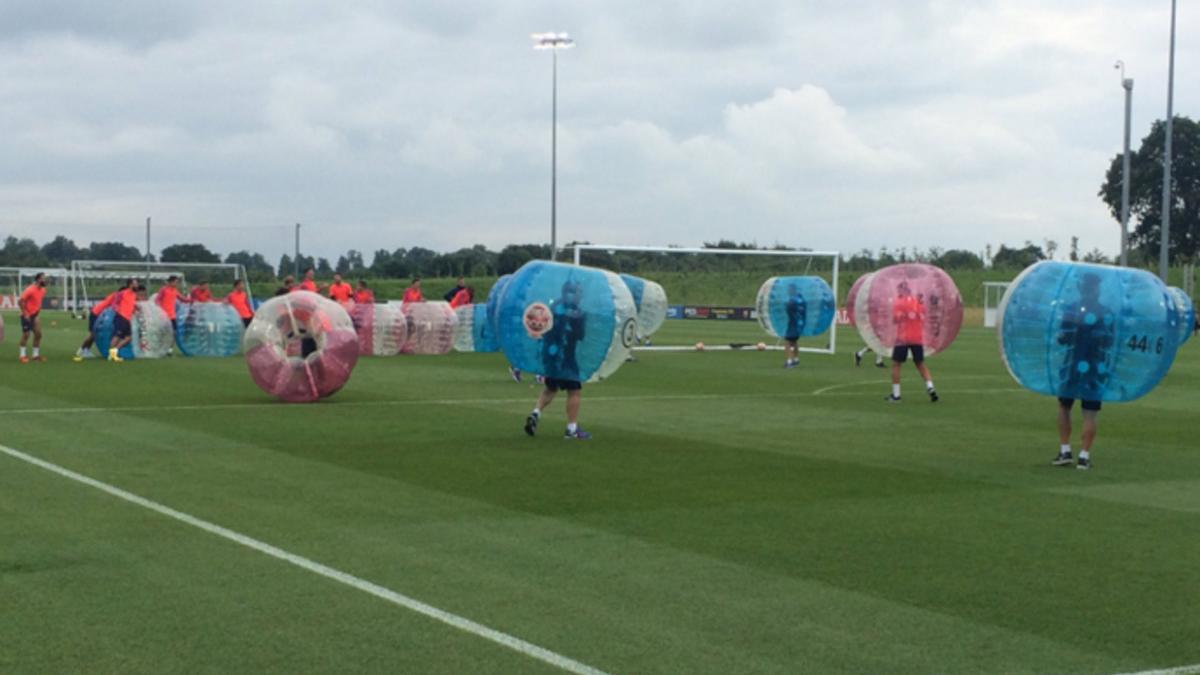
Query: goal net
point(711, 292)
point(14, 281)
point(89, 281)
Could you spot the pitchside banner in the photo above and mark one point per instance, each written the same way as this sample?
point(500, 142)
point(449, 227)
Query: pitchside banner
point(711, 312)
point(10, 302)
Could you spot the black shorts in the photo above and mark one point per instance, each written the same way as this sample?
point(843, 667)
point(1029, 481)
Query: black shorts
point(27, 322)
point(91, 322)
point(900, 353)
point(791, 339)
point(1086, 405)
point(246, 322)
point(563, 385)
point(174, 325)
point(121, 327)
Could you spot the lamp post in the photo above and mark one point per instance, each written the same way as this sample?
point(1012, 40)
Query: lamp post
point(553, 42)
point(1164, 248)
point(1127, 83)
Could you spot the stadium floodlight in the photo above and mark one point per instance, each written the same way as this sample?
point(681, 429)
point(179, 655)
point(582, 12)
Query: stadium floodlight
point(1127, 84)
point(1167, 202)
point(553, 42)
point(806, 262)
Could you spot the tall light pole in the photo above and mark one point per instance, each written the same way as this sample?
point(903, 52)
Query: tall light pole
point(296, 262)
point(1163, 257)
point(553, 42)
point(1127, 83)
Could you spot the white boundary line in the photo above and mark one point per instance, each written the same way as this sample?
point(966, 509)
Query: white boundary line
point(1181, 670)
point(461, 623)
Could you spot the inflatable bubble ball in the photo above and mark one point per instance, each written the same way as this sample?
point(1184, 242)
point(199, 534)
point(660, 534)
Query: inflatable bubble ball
point(908, 304)
point(301, 347)
point(795, 307)
point(382, 328)
point(1090, 332)
point(473, 332)
point(566, 322)
point(430, 327)
point(650, 300)
point(208, 329)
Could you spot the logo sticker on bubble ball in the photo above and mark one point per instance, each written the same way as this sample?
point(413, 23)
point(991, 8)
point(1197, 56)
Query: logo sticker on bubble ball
point(538, 319)
point(629, 333)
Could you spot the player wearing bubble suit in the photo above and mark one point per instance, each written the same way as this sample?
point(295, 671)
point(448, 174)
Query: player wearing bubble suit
point(85, 349)
point(909, 314)
point(558, 352)
point(850, 298)
point(796, 310)
point(124, 305)
point(240, 302)
point(1086, 330)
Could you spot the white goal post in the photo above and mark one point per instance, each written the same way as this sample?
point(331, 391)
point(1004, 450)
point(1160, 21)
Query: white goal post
point(993, 293)
point(115, 271)
point(14, 280)
point(833, 256)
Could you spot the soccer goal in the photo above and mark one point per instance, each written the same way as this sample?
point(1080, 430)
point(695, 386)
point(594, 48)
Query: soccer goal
point(993, 293)
point(14, 281)
point(711, 292)
point(90, 280)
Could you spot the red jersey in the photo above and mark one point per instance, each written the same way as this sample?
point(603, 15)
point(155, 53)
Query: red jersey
point(909, 315)
point(125, 302)
point(31, 300)
point(342, 292)
point(104, 304)
point(306, 285)
point(461, 298)
point(413, 295)
point(364, 296)
point(167, 297)
point(241, 303)
point(201, 295)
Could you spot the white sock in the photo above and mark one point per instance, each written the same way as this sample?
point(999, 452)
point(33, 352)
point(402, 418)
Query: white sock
point(572, 427)
point(1065, 449)
point(22, 352)
point(36, 352)
point(860, 353)
point(895, 391)
point(537, 412)
point(1083, 454)
point(928, 385)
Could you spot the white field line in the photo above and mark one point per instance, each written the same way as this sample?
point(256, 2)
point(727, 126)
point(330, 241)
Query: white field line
point(825, 392)
point(461, 623)
point(1193, 669)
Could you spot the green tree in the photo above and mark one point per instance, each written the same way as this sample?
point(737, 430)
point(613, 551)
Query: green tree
point(286, 266)
point(112, 250)
point(22, 253)
point(1145, 191)
point(61, 251)
point(958, 259)
point(256, 265)
point(189, 253)
point(1017, 258)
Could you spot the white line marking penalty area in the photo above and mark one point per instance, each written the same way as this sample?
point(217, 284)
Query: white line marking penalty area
point(503, 639)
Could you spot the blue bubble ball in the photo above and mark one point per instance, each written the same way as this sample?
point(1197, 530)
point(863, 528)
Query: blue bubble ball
point(208, 329)
point(1089, 332)
point(566, 322)
point(795, 307)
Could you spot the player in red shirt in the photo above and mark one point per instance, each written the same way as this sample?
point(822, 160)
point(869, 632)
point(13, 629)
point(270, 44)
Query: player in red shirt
point(908, 313)
point(307, 284)
point(124, 305)
point(462, 297)
point(200, 293)
point(364, 295)
point(85, 349)
point(413, 292)
point(168, 298)
point(241, 302)
point(31, 306)
point(340, 291)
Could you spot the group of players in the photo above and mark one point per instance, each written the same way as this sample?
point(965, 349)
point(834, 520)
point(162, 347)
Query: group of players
point(908, 313)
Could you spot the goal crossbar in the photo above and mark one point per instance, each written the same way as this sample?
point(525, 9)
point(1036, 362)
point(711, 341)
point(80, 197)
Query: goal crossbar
point(834, 256)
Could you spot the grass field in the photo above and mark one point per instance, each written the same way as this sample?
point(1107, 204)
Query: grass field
point(728, 516)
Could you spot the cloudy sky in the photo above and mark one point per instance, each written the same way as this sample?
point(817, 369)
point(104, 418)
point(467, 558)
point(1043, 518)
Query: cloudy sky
point(380, 124)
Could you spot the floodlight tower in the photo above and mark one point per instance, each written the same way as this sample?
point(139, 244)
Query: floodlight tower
point(553, 42)
point(1167, 202)
point(1127, 83)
